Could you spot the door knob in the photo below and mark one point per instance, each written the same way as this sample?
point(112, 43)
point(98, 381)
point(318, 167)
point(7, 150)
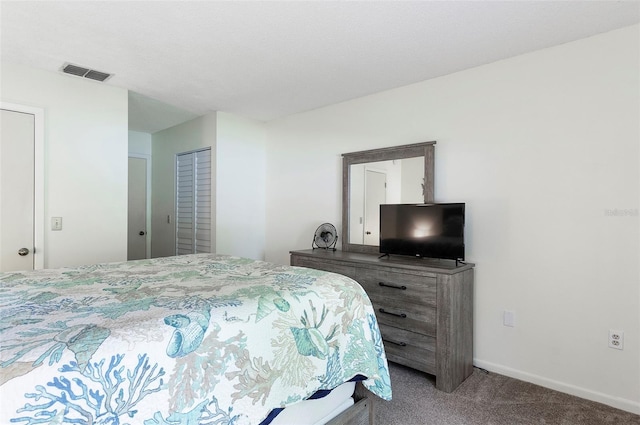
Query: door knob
point(368, 233)
point(141, 233)
point(23, 251)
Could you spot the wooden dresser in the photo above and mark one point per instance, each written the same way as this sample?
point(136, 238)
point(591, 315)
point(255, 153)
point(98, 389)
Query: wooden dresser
point(424, 308)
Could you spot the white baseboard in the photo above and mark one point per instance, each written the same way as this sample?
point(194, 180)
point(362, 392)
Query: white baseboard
point(617, 402)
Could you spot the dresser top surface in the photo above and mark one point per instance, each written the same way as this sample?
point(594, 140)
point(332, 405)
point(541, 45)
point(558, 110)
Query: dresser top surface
point(402, 262)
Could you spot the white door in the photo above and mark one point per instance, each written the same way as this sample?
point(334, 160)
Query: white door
point(137, 222)
point(17, 183)
point(375, 194)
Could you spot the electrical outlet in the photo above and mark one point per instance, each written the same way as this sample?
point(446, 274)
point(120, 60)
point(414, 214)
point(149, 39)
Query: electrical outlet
point(509, 318)
point(616, 339)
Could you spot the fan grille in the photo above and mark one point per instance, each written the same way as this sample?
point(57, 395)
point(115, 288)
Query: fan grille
point(325, 236)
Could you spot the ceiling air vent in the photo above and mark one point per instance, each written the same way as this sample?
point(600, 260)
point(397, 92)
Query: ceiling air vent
point(79, 71)
point(97, 75)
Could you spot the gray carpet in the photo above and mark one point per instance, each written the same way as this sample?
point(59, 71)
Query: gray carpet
point(488, 399)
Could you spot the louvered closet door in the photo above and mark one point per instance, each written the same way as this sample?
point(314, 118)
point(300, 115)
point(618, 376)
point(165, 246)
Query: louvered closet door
point(193, 202)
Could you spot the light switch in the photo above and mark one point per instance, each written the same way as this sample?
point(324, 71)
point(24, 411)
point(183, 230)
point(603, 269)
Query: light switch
point(56, 223)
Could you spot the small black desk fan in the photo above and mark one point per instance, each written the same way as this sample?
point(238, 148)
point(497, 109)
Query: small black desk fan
point(325, 237)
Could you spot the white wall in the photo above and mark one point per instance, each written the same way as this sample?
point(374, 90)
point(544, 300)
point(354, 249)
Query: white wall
point(239, 158)
point(412, 180)
point(240, 186)
point(540, 147)
point(194, 134)
point(139, 143)
point(85, 162)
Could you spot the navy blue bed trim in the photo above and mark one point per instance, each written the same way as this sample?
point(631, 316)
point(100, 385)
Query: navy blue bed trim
point(317, 394)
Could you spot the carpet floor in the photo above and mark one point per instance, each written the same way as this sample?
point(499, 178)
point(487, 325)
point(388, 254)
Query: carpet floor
point(488, 399)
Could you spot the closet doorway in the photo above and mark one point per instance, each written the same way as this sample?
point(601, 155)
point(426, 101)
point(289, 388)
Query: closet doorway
point(193, 202)
point(21, 188)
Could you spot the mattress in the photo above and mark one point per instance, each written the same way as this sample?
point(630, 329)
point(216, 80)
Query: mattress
point(318, 411)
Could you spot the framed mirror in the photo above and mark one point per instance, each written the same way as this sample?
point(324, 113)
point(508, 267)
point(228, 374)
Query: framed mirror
point(394, 175)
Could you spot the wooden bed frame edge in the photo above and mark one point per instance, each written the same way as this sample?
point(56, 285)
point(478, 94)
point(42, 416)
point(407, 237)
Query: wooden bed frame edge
point(361, 413)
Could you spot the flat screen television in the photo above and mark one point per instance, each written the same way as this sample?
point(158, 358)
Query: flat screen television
point(423, 230)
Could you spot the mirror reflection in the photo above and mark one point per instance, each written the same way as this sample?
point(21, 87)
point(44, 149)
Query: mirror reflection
point(399, 181)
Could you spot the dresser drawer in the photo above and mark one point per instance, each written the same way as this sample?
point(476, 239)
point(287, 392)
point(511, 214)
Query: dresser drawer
point(412, 317)
point(410, 349)
point(403, 287)
point(346, 270)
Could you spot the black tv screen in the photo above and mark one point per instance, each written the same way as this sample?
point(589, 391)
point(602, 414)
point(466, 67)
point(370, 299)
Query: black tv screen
point(423, 230)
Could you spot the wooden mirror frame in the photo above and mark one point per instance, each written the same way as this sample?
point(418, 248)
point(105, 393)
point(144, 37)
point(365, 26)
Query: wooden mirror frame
point(425, 149)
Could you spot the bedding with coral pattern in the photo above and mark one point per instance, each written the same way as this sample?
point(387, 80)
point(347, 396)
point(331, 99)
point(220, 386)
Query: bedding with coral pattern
point(193, 339)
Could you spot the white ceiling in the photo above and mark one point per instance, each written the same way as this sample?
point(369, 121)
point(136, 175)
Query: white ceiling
point(266, 60)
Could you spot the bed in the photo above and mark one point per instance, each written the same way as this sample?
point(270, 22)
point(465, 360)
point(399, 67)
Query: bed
point(193, 339)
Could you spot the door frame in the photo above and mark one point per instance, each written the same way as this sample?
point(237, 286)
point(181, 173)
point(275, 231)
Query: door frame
point(39, 251)
point(148, 201)
point(374, 169)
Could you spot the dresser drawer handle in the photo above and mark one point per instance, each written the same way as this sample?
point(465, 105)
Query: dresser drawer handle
point(401, 344)
point(382, 310)
point(404, 288)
